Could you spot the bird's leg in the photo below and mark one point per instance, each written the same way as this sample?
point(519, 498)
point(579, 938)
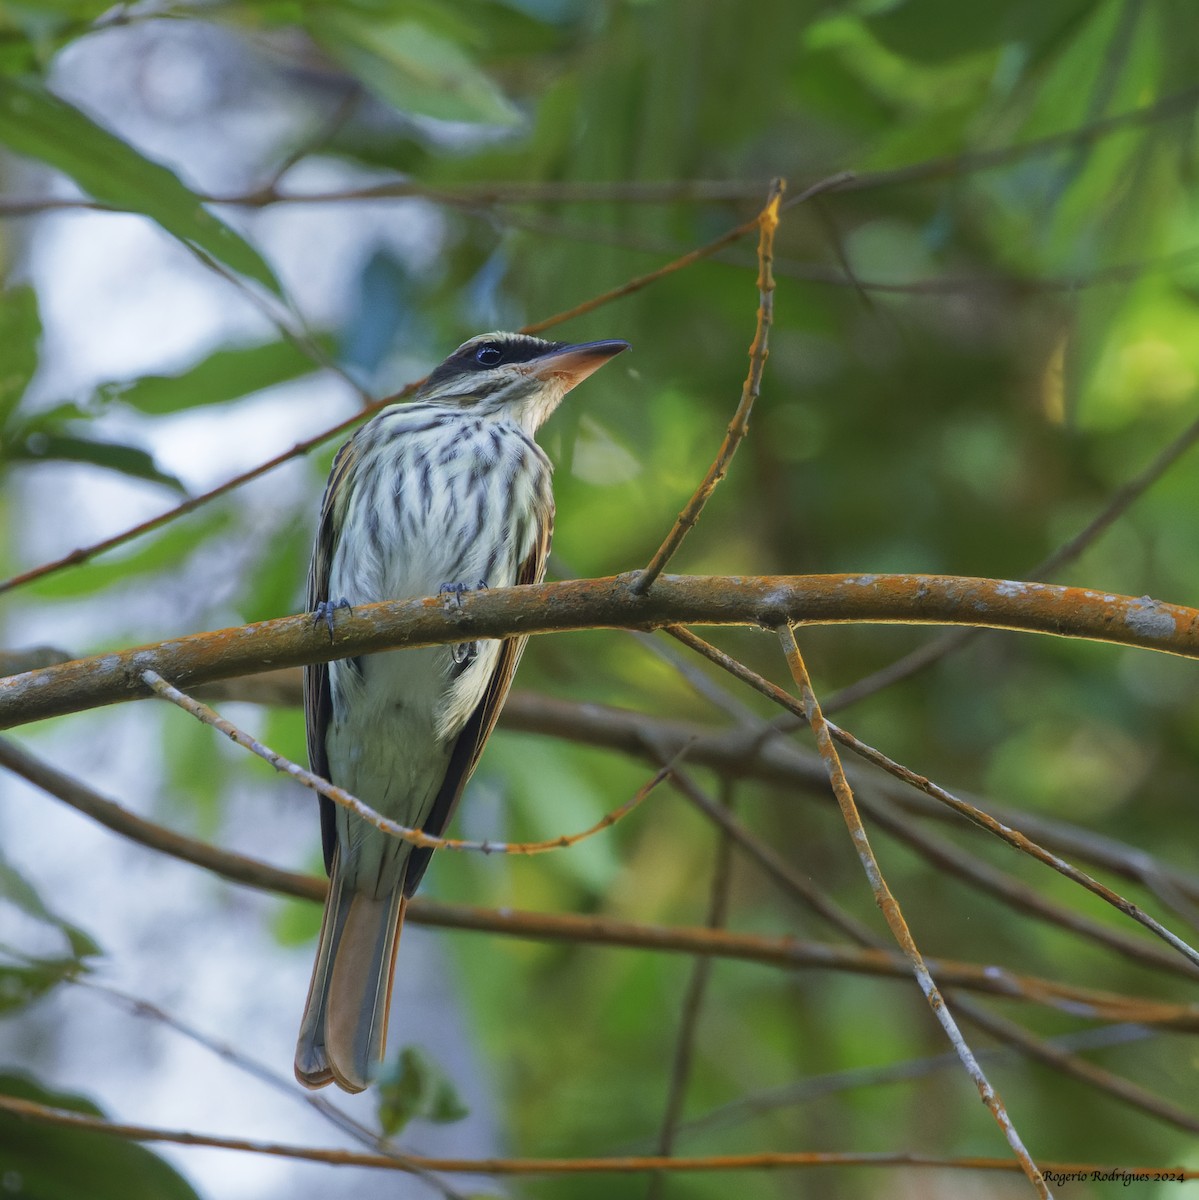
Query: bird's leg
point(324, 612)
point(463, 653)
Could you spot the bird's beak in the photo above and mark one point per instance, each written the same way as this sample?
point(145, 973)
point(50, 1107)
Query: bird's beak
point(572, 364)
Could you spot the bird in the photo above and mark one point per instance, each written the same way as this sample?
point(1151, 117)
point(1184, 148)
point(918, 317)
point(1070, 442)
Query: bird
point(441, 495)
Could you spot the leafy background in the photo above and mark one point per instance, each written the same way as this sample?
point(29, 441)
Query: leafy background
point(968, 360)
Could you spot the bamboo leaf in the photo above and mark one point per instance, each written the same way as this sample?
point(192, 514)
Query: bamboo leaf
point(411, 66)
point(61, 1163)
point(224, 375)
point(36, 123)
point(20, 330)
point(67, 447)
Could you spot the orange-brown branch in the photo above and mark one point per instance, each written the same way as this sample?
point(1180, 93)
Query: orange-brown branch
point(766, 601)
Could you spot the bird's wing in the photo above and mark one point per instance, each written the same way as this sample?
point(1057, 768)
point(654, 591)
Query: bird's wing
point(318, 698)
point(468, 748)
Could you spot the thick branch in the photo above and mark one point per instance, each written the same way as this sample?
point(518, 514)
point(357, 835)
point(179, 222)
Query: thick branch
point(768, 601)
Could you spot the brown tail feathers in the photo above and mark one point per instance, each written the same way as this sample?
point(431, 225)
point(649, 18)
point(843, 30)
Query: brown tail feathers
point(344, 1030)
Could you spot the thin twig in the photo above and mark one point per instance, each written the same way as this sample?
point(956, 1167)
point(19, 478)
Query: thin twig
point(1177, 104)
point(1019, 841)
point(1008, 1032)
point(238, 868)
point(818, 1087)
point(678, 191)
point(1120, 501)
point(794, 884)
point(767, 758)
point(84, 553)
point(977, 816)
point(1017, 895)
point(1058, 1059)
point(785, 953)
point(339, 796)
point(727, 751)
point(891, 911)
point(329, 1111)
point(767, 220)
point(693, 999)
point(33, 1111)
point(345, 108)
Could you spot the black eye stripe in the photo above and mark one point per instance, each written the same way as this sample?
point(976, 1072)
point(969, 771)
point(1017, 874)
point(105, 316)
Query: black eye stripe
point(510, 348)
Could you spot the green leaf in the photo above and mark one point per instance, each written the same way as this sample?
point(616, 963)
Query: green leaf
point(36, 123)
point(16, 889)
point(408, 65)
point(32, 31)
point(20, 329)
point(53, 1162)
point(22, 985)
point(224, 375)
point(932, 31)
point(413, 1086)
point(66, 447)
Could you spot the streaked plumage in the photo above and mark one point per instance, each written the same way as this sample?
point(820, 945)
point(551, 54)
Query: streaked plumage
point(449, 488)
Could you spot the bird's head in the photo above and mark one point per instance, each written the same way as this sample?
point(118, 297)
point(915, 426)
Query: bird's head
point(514, 375)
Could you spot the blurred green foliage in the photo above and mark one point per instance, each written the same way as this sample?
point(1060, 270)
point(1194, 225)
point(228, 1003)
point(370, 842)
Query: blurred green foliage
point(968, 360)
point(50, 1162)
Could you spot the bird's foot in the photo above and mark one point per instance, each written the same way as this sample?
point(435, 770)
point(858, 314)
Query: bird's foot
point(463, 653)
point(325, 610)
point(456, 590)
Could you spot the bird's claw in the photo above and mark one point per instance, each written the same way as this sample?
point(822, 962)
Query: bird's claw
point(325, 611)
point(456, 590)
point(463, 653)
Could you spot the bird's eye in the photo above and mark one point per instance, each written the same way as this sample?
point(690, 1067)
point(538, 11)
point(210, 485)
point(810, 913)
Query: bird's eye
point(488, 354)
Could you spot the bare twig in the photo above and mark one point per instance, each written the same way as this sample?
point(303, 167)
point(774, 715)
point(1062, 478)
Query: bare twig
point(677, 191)
point(347, 104)
point(693, 999)
point(768, 220)
point(33, 1111)
point(1178, 104)
point(337, 1117)
point(1059, 1059)
point(1120, 501)
point(339, 796)
point(641, 281)
point(891, 911)
point(785, 953)
point(1019, 841)
point(481, 196)
point(817, 1087)
point(1008, 1032)
point(250, 872)
point(84, 553)
point(768, 758)
point(977, 816)
point(1020, 897)
point(793, 883)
